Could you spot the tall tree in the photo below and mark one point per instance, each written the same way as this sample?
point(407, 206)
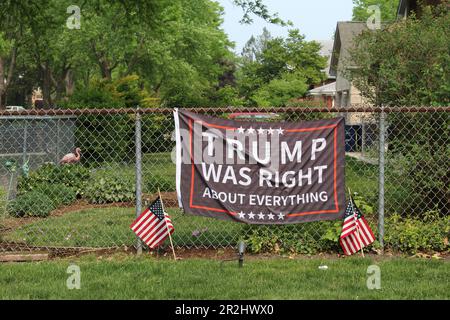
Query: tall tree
point(292, 59)
point(415, 72)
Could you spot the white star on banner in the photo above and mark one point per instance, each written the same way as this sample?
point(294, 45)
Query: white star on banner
point(241, 130)
point(251, 131)
point(271, 216)
point(241, 215)
point(280, 131)
point(281, 216)
point(261, 216)
point(261, 131)
point(270, 131)
point(251, 215)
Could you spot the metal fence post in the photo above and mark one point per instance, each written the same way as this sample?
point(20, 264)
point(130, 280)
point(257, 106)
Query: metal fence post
point(381, 163)
point(138, 142)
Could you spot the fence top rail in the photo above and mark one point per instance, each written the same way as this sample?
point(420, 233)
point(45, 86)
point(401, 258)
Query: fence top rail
point(110, 111)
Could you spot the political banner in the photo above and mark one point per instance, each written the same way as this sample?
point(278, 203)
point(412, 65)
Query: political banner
point(260, 172)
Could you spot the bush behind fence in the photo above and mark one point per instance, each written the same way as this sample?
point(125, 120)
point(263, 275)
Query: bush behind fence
point(90, 203)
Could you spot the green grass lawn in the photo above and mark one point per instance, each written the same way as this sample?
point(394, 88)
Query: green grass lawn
point(125, 277)
point(109, 227)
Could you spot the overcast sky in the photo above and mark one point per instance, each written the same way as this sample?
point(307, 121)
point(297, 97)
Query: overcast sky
point(316, 19)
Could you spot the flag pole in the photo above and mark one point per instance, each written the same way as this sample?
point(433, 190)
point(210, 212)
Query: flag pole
point(357, 227)
point(167, 226)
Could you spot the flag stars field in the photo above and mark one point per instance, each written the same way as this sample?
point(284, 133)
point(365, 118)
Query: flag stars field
point(260, 131)
point(261, 216)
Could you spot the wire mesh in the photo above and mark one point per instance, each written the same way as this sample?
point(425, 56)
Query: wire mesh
point(68, 180)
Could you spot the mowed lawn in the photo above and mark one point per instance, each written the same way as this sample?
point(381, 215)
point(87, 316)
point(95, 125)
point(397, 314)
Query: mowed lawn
point(110, 227)
point(126, 277)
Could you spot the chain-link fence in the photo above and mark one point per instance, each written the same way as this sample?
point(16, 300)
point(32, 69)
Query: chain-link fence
point(68, 178)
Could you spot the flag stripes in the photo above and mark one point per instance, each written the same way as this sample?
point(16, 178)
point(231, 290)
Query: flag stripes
point(356, 233)
point(153, 225)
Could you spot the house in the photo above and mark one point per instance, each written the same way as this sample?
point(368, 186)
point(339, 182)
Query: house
point(346, 93)
point(325, 92)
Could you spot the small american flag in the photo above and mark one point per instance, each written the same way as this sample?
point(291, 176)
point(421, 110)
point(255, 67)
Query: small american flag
point(356, 233)
point(153, 225)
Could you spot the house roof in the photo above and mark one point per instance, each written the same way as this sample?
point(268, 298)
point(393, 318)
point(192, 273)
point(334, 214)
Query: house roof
point(343, 41)
point(328, 89)
point(327, 51)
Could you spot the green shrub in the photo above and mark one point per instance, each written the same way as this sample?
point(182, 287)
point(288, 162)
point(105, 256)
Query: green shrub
point(429, 233)
point(165, 183)
point(308, 238)
point(58, 193)
point(31, 204)
point(108, 138)
point(109, 188)
point(74, 176)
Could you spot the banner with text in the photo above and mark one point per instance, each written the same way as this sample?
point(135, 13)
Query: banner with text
point(260, 172)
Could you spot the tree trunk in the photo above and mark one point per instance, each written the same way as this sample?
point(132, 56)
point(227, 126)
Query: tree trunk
point(70, 83)
point(105, 69)
point(46, 85)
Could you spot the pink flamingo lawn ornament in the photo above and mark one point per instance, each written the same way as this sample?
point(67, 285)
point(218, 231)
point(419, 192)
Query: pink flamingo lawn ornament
point(71, 157)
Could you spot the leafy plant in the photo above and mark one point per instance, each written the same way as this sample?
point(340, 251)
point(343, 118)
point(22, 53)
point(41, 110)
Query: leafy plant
point(58, 193)
point(74, 176)
point(110, 188)
point(430, 233)
point(31, 204)
point(164, 182)
point(310, 238)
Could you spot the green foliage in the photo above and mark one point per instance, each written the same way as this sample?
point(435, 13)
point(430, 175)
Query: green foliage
point(164, 182)
point(73, 176)
point(419, 158)
point(276, 70)
point(416, 73)
point(225, 96)
point(279, 91)
point(312, 238)
point(388, 9)
point(58, 193)
point(31, 204)
point(429, 233)
point(110, 138)
point(108, 187)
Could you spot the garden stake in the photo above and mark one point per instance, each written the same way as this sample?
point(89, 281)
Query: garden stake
point(170, 236)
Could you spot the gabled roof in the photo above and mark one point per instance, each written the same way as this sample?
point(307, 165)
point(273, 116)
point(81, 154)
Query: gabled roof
point(343, 41)
point(328, 89)
point(326, 50)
